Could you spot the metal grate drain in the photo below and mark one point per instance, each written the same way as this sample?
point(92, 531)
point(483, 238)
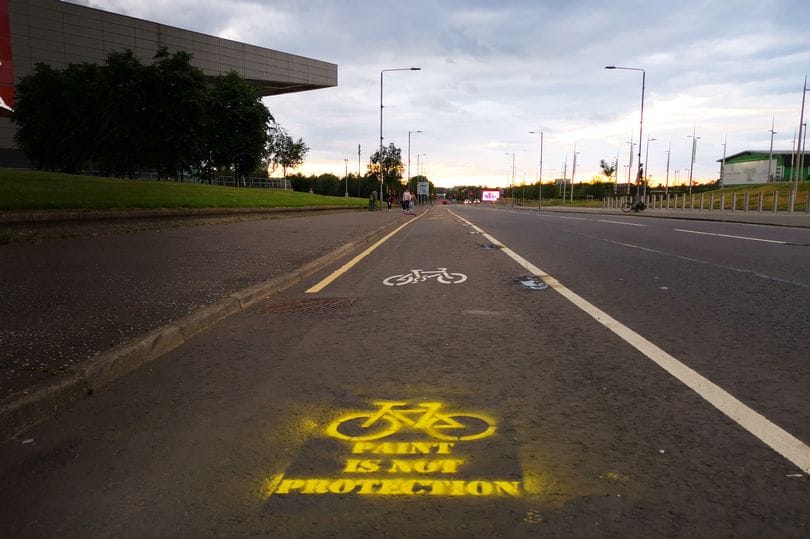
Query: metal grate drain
point(306, 305)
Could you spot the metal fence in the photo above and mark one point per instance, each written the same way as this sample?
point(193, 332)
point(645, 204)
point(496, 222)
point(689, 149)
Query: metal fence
point(724, 202)
point(227, 181)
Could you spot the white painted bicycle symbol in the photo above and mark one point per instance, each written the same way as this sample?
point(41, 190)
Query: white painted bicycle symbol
point(420, 276)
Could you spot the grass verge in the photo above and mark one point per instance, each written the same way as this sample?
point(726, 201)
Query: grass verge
point(32, 190)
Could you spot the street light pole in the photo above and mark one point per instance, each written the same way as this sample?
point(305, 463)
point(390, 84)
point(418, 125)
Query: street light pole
point(630, 163)
point(540, 189)
point(770, 152)
point(409, 157)
point(723, 165)
point(346, 161)
point(641, 118)
point(573, 172)
point(692, 163)
point(666, 185)
point(647, 164)
point(380, 160)
point(512, 184)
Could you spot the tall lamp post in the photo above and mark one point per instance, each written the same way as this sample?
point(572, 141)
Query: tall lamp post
point(540, 189)
point(669, 153)
point(647, 163)
point(409, 157)
point(641, 119)
point(383, 72)
point(770, 152)
point(346, 162)
point(573, 172)
point(692, 163)
point(512, 184)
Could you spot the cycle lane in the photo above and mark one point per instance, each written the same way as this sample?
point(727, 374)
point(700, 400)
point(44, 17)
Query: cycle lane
point(588, 437)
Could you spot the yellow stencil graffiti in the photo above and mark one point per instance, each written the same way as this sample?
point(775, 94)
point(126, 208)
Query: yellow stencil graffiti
point(398, 487)
point(424, 466)
point(427, 417)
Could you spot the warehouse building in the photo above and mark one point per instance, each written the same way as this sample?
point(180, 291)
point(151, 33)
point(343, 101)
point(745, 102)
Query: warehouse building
point(762, 166)
point(60, 33)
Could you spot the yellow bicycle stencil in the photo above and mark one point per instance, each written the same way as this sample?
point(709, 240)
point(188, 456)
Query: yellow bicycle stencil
point(427, 417)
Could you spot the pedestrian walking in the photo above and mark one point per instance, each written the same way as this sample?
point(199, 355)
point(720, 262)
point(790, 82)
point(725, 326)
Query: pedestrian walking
point(406, 201)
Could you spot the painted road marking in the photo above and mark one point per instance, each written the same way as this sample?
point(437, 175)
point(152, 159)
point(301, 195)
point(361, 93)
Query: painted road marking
point(619, 222)
point(575, 218)
point(729, 236)
point(768, 432)
point(420, 276)
point(353, 262)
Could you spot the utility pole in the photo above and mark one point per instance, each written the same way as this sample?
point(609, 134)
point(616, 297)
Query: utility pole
point(666, 185)
point(723, 165)
point(692, 165)
point(770, 152)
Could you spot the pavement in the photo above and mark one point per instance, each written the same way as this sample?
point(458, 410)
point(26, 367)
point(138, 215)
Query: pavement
point(81, 310)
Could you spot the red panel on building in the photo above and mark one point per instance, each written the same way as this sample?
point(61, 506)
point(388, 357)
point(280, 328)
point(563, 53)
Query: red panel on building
point(6, 67)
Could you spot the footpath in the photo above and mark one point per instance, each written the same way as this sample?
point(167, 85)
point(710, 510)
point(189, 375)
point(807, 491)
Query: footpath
point(80, 312)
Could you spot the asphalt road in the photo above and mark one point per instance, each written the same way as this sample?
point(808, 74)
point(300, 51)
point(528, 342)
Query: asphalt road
point(473, 402)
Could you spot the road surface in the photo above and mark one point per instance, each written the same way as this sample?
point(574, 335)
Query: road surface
point(581, 378)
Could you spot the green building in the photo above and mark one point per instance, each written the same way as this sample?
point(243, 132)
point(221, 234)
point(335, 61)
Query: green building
point(762, 166)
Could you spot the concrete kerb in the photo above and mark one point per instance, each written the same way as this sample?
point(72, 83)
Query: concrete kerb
point(22, 412)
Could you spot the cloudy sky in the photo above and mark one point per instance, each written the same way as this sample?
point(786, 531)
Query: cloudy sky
point(493, 71)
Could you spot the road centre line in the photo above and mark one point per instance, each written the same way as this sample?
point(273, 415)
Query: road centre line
point(619, 222)
point(768, 432)
point(729, 236)
point(351, 263)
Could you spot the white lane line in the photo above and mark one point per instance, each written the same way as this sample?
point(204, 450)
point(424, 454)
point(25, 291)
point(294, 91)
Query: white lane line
point(768, 432)
point(619, 222)
point(729, 236)
point(575, 218)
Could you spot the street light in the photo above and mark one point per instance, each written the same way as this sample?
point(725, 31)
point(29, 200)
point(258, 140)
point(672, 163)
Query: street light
point(573, 172)
point(409, 157)
point(630, 163)
point(641, 120)
point(770, 153)
point(382, 72)
point(540, 189)
point(692, 164)
point(346, 162)
point(647, 163)
point(512, 184)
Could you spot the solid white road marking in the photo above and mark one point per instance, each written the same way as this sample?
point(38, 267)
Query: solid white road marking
point(768, 432)
point(619, 222)
point(729, 236)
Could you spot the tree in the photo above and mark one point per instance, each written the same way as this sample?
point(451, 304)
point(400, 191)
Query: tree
point(237, 126)
point(39, 116)
point(607, 169)
point(392, 167)
point(177, 109)
point(283, 151)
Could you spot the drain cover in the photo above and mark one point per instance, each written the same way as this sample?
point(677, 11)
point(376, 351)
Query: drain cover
point(306, 305)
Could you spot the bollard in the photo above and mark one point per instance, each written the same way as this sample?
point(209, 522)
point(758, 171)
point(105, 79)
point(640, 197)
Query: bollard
point(761, 198)
point(775, 201)
point(711, 201)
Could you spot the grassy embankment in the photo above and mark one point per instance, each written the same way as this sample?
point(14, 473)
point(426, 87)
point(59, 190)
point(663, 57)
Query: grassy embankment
point(29, 190)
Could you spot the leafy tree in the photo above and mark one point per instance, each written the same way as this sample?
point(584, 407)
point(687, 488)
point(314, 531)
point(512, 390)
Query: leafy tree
point(123, 109)
point(283, 151)
point(608, 169)
point(177, 109)
point(39, 116)
point(391, 164)
point(236, 133)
